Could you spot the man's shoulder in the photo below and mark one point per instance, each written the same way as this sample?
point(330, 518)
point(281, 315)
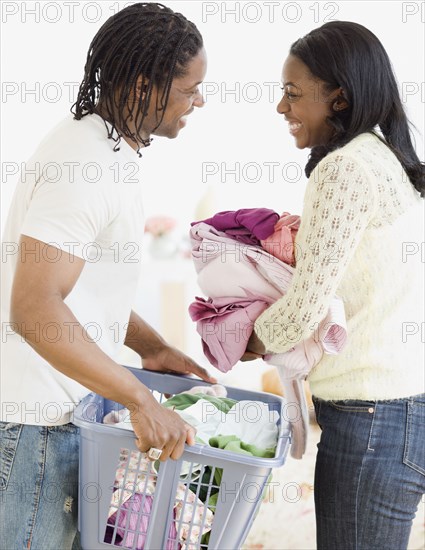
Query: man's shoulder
point(75, 139)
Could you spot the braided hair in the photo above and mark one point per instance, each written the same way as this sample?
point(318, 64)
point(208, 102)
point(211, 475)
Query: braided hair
point(144, 39)
point(348, 55)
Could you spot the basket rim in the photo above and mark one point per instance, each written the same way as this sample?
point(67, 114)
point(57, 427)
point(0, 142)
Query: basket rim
point(192, 452)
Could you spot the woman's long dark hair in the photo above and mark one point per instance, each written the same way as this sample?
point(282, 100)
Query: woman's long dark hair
point(347, 55)
point(143, 39)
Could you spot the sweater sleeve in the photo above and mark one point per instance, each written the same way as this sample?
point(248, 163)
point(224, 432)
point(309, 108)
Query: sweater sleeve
point(339, 203)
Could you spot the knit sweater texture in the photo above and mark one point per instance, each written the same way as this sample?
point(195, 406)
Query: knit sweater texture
point(361, 238)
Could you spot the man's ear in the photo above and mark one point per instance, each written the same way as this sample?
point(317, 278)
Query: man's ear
point(142, 84)
point(340, 102)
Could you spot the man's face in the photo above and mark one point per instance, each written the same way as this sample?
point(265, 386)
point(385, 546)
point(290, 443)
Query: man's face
point(184, 97)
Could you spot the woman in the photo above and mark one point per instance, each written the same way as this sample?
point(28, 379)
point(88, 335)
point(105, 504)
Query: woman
point(362, 207)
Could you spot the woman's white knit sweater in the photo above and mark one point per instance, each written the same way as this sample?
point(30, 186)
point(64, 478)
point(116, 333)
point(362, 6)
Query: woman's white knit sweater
point(361, 238)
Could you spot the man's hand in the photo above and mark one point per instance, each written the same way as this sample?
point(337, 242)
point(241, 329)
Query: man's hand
point(172, 360)
point(156, 354)
point(159, 427)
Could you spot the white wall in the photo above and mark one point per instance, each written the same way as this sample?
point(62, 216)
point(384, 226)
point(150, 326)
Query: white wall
point(41, 54)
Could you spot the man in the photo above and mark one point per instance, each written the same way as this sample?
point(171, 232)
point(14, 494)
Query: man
point(68, 288)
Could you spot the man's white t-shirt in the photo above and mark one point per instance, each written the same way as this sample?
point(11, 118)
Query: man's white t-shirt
point(82, 197)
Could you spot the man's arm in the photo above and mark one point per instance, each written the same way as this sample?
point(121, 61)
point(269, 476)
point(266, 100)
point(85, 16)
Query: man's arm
point(156, 354)
point(38, 294)
point(142, 338)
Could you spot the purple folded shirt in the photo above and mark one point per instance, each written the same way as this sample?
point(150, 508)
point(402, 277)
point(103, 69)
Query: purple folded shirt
point(247, 225)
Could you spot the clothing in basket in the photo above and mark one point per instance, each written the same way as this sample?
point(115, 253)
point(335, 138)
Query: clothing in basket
point(135, 489)
point(245, 427)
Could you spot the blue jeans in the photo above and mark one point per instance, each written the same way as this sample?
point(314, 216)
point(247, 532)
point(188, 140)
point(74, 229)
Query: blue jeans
point(370, 472)
point(39, 487)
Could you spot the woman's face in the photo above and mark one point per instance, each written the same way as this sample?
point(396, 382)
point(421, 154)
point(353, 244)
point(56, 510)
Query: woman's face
point(305, 104)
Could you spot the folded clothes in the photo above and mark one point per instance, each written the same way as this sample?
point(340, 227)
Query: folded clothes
point(236, 445)
point(245, 427)
point(183, 400)
point(134, 488)
point(121, 418)
point(225, 326)
point(236, 277)
point(117, 416)
point(247, 225)
point(281, 243)
point(132, 521)
point(216, 390)
point(251, 422)
point(225, 319)
point(226, 267)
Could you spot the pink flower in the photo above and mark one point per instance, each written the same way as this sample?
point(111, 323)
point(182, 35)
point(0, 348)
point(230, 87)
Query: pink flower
point(159, 225)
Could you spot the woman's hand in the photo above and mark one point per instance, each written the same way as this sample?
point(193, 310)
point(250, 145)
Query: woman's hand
point(254, 350)
point(171, 360)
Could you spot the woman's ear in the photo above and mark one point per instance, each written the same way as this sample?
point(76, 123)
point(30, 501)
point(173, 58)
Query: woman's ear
point(340, 102)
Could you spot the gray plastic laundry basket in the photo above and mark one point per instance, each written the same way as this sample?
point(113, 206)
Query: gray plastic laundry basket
point(104, 447)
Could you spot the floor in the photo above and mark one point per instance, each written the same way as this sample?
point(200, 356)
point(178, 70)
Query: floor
point(286, 517)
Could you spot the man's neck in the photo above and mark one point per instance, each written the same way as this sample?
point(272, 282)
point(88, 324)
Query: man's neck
point(133, 144)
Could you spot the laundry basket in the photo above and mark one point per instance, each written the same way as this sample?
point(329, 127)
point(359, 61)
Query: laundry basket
point(126, 501)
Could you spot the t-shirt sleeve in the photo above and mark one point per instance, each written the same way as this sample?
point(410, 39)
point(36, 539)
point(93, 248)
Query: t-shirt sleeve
point(339, 204)
point(70, 215)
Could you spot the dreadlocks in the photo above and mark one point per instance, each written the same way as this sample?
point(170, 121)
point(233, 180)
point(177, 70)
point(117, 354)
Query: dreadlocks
point(147, 40)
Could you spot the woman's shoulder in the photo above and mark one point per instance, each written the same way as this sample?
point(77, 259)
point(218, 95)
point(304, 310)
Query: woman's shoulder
point(366, 149)
point(366, 153)
point(366, 167)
